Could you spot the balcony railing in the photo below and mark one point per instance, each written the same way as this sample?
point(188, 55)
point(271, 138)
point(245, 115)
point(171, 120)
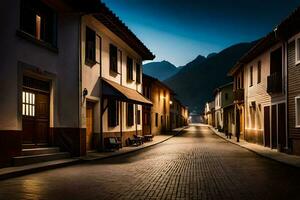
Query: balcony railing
point(274, 84)
point(238, 95)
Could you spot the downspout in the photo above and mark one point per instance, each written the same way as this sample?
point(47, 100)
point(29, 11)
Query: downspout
point(286, 93)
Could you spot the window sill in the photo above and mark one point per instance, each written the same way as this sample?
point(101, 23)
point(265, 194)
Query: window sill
point(40, 43)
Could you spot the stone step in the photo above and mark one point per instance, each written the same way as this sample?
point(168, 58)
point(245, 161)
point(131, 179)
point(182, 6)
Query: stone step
point(37, 151)
point(31, 146)
point(25, 160)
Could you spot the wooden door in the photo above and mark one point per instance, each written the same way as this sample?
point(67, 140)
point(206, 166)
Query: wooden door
point(146, 121)
point(267, 126)
point(89, 126)
point(281, 126)
point(42, 118)
point(274, 126)
point(35, 112)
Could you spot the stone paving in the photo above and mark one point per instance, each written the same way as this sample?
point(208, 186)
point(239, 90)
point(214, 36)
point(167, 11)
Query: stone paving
point(194, 165)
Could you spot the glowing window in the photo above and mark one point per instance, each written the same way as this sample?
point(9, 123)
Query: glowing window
point(28, 104)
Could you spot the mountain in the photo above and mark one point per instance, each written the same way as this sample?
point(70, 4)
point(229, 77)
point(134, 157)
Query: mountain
point(160, 70)
point(194, 84)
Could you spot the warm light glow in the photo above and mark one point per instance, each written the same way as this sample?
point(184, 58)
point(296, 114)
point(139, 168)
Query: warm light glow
point(171, 102)
point(38, 27)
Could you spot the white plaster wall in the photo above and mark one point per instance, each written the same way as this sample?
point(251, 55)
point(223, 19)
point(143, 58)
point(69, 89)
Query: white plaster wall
point(90, 75)
point(63, 65)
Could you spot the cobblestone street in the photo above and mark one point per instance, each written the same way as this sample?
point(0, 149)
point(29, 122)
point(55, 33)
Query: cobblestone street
point(194, 165)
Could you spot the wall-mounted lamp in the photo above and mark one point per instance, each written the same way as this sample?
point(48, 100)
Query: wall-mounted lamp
point(85, 92)
point(171, 102)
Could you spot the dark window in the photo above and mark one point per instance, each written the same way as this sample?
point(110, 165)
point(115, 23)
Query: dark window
point(161, 120)
point(251, 76)
point(138, 117)
point(226, 96)
point(156, 119)
point(259, 72)
point(138, 73)
point(130, 114)
point(129, 69)
point(113, 113)
point(38, 20)
point(113, 58)
point(90, 46)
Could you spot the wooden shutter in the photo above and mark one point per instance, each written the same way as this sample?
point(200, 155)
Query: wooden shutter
point(113, 58)
point(130, 114)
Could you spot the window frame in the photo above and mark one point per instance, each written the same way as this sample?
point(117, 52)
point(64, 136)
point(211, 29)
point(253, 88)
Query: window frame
point(297, 50)
point(48, 38)
point(258, 72)
point(138, 117)
point(115, 122)
point(296, 112)
point(113, 59)
point(130, 114)
point(90, 60)
point(251, 76)
point(138, 72)
point(129, 69)
point(28, 101)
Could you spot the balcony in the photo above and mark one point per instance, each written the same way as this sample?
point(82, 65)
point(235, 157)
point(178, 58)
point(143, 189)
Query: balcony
point(238, 95)
point(274, 84)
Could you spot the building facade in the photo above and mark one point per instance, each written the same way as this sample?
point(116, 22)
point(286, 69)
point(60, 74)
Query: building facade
point(223, 119)
point(156, 118)
point(209, 113)
point(58, 77)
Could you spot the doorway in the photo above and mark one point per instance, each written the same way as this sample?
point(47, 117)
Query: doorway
point(267, 126)
point(89, 126)
point(35, 112)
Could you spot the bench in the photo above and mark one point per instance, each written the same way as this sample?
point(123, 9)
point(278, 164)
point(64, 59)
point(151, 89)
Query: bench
point(112, 143)
point(148, 137)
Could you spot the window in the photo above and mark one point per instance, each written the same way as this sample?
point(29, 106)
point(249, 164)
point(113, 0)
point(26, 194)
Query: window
point(130, 114)
point(297, 51)
point(161, 120)
point(226, 96)
point(297, 110)
point(251, 76)
point(138, 117)
point(138, 73)
point(90, 46)
point(259, 72)
point(113, 58)
point(113, 113)
point(156, 119)
point(39, 21)
point(28, 104)
point(129, 69)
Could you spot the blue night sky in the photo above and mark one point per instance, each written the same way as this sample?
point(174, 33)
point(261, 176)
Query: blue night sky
point(180, 30)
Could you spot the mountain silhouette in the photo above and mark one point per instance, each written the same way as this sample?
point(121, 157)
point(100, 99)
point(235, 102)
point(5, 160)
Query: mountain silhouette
point(195, 82)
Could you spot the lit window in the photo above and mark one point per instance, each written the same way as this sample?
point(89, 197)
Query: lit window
point(297, 107)
point(297, 50)
point(28, 104)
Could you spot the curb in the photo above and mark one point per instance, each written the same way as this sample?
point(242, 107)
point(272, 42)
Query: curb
point(253, 151)
point(18, 173)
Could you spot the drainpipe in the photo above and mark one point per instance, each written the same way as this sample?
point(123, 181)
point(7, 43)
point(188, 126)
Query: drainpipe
point(286, 93)
point(121, 103)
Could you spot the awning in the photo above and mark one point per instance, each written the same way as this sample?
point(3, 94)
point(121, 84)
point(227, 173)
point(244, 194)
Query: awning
point(114, 90)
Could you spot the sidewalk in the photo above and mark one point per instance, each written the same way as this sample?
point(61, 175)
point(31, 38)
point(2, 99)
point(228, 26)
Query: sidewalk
point(266, 152)
point(10, 172)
